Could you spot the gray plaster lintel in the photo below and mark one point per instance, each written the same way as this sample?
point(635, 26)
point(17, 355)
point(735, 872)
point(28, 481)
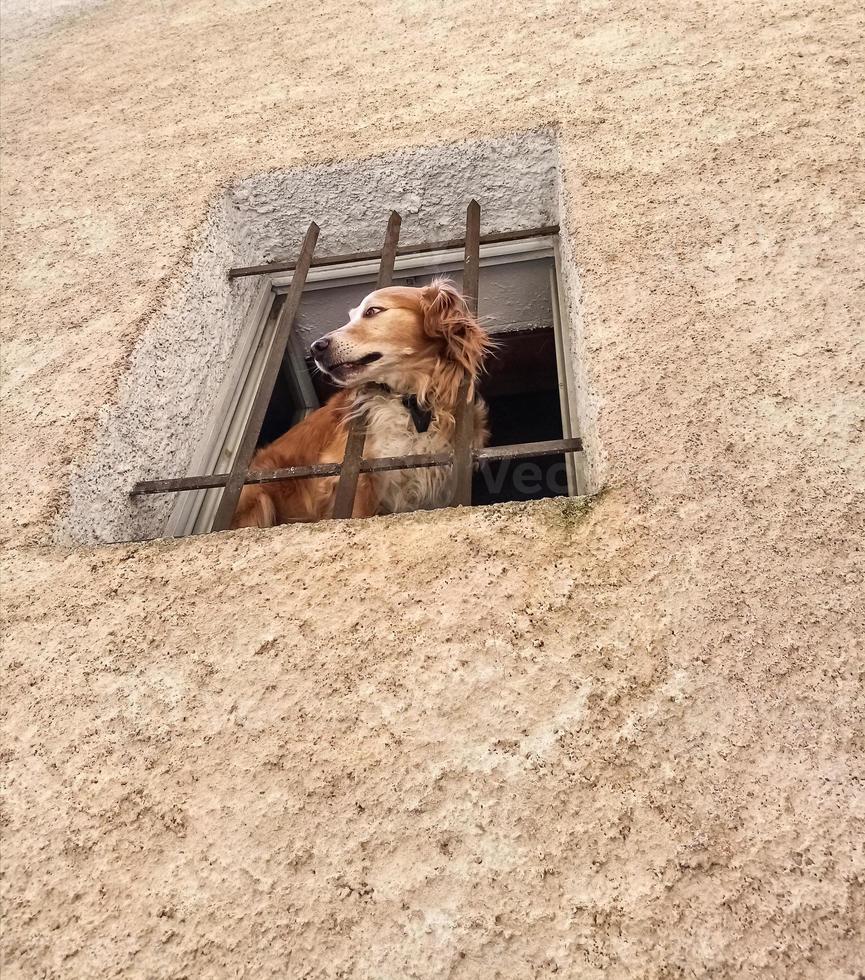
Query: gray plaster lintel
point(167, 394)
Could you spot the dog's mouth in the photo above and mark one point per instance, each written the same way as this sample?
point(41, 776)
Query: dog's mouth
point(346, 370)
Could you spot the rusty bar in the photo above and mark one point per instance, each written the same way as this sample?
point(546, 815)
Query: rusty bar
point(388, 252)
point(383, 464)
point(522, 450)
point(349, 471)
point(461, 494)
point(252, 430)
point(177, 484)
point(496, 238)
point(346, 489)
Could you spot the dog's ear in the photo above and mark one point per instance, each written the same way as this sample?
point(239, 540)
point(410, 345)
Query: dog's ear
point(447, 318)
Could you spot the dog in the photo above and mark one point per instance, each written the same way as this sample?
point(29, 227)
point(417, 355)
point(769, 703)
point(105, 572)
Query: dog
point(399, 362)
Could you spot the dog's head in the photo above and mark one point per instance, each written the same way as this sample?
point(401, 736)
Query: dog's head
point(415, 340)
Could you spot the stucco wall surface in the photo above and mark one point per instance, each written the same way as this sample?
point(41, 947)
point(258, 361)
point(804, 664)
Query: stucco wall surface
point(616, 740)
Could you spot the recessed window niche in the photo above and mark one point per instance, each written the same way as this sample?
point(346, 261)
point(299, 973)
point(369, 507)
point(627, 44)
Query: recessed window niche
point(188, 359)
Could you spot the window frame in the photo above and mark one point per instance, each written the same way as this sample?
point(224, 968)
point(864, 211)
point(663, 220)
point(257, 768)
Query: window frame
point(193, 512)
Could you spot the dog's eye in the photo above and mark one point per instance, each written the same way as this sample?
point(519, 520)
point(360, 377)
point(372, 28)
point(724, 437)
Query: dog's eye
point(372, 310)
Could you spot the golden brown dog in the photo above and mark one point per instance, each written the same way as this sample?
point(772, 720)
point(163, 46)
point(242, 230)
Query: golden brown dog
point(399, 360)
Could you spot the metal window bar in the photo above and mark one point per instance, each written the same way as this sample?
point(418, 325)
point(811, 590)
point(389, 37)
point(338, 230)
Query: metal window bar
point(461, 480)
point(346, 489)
point(383, 464)
point(464, 455)
point(249, 439)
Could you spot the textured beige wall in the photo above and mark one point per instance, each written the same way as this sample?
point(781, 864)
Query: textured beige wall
point(621, 742)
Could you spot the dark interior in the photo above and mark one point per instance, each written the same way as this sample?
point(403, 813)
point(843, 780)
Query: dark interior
point(522, 393)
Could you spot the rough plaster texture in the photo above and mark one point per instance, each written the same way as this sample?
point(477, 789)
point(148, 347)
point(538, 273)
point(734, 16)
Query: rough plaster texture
point(507, 743)
point(30, 17)
point(169, 389)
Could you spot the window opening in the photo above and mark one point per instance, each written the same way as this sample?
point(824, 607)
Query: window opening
point(528, 385)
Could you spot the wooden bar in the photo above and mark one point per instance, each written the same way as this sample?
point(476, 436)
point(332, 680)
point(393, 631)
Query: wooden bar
point(252, 430)
point(383, 464)
point(343, 501)
point(497, 238)
point(461, 493)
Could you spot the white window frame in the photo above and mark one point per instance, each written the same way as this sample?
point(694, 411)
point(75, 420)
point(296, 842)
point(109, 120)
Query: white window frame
point(193, 512)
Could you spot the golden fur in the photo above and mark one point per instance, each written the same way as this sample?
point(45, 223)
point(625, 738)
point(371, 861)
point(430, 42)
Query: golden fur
point(400, 341)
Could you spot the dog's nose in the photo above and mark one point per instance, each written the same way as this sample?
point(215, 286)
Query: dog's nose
point(320, 346)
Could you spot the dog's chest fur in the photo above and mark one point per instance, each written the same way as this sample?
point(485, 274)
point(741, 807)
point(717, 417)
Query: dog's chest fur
point(391, 432)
